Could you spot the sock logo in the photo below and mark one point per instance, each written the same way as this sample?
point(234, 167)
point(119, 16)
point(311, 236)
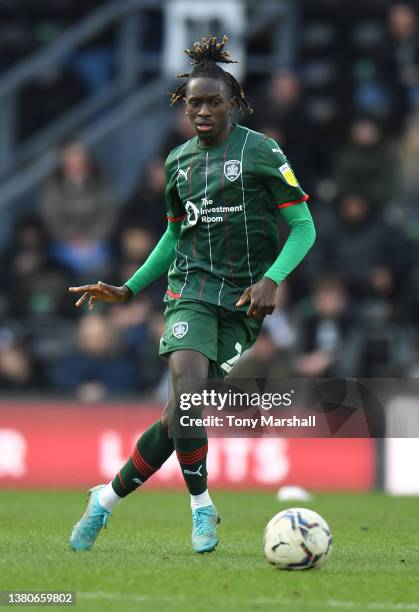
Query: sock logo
point(196, 473)
point(138, 481)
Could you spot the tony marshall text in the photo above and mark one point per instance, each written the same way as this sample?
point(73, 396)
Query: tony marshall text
point(233, 421)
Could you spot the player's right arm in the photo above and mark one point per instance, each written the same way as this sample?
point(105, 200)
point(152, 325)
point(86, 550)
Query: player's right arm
point(157, 262)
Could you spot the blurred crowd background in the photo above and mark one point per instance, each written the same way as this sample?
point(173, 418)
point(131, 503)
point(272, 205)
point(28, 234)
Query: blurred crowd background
point(344, 106)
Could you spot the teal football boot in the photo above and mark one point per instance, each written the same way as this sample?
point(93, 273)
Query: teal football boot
point(87, 529)
point(204, 529)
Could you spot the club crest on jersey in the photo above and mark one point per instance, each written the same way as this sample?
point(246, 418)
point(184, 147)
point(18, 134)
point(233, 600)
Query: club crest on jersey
point(232, 169)
point(180, 329)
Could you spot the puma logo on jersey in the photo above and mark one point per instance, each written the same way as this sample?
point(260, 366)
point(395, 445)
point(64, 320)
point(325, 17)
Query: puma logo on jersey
point(184, 173)
point(196, 473)
point(230, 362)
point(277, 151)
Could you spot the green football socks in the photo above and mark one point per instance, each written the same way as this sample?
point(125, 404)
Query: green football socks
point(150, 452)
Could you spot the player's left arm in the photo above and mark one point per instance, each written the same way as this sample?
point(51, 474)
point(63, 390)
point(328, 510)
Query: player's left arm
point(263, 294)
point(300, 240)
point(275, 171)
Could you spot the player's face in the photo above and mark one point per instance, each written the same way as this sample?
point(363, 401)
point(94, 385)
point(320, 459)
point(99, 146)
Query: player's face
point(209, 106)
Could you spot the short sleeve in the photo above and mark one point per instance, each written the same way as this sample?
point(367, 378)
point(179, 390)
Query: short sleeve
point(174, 206)
point(274, 170)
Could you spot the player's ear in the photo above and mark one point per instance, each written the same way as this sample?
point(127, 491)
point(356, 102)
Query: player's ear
point(231, 105)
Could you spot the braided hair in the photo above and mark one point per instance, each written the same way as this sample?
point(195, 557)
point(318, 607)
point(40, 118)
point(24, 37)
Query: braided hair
point(205, 55)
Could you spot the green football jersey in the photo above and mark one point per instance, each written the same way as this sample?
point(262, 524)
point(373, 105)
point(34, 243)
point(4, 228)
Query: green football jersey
point(228, 199)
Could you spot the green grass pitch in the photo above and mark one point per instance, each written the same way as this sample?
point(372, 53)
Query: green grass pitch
point(143, 561)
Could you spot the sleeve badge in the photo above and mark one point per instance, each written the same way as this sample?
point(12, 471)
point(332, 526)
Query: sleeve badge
point(288, 175)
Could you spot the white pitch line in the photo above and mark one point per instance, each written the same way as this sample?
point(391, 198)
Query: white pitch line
point(330, 603)
point(127, 597)
point(373, 605)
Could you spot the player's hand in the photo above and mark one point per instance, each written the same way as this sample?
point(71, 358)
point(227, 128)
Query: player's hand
point(102, 292)
point(263, 297)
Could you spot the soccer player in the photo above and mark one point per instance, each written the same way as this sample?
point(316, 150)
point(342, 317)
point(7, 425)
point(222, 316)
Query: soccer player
point(225, 190)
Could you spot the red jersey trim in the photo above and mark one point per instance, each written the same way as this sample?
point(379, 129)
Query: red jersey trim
point(176, 219)
point(285, 204)
point(173, 295)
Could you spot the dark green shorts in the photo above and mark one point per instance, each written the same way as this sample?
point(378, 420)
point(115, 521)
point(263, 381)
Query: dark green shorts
point(220, 334)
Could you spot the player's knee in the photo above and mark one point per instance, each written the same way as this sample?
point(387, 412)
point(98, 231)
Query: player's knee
point(189, 371)
point(184, 384)
point(166, 418)
point(167, 414)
